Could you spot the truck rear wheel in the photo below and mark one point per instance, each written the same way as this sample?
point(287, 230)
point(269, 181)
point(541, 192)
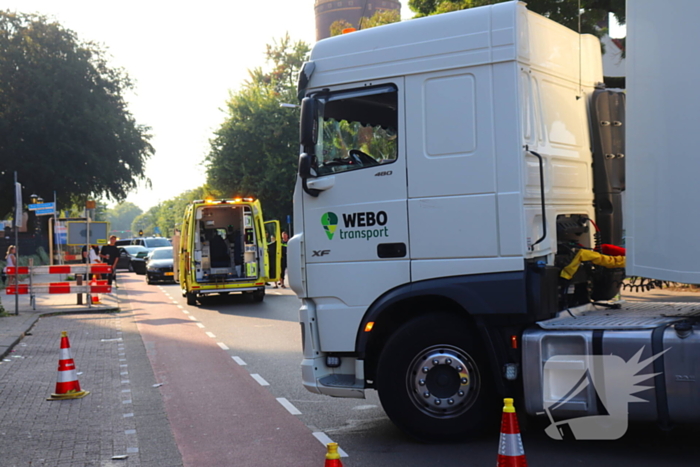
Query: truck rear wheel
point(433, 381)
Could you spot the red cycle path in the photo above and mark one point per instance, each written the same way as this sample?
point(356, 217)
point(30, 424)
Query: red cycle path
point(220, 416)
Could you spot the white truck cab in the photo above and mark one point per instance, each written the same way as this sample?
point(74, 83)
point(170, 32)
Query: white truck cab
point(451, 167)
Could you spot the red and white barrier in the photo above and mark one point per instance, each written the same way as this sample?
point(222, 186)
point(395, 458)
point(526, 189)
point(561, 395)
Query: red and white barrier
point(59, 287)
point(94, 287)
point(96, 268)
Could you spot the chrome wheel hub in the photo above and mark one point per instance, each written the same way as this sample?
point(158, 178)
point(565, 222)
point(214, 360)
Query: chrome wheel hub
point(443, 381)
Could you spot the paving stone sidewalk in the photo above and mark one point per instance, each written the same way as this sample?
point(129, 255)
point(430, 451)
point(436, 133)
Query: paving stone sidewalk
point(121, 422)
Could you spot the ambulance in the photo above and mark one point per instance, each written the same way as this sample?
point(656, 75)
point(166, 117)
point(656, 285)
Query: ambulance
point(226, 246)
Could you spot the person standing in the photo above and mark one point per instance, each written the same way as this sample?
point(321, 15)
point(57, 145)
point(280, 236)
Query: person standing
point(110, 255)
point(91, 254)
point(283, 271)
point(11, 259)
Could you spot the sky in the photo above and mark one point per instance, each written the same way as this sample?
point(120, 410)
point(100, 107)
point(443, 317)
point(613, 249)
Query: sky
point(184, 61)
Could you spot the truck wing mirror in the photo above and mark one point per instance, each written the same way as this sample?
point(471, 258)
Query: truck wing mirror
point(308, 125)
point(305, 173)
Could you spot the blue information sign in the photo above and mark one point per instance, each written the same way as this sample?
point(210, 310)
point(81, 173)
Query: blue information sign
point(36, 207)
point(44, 212)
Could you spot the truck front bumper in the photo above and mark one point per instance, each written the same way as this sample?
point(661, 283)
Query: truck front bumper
point(346, 380)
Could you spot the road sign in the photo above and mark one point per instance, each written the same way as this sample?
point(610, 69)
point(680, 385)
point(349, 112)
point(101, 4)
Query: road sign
point(36, 207)
point(77, 233)
point(45, 212)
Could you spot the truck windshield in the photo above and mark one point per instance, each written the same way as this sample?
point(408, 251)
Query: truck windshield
point(357, 129)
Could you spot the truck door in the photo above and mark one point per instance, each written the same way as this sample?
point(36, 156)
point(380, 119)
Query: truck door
point(273, 251)
point(354, 202)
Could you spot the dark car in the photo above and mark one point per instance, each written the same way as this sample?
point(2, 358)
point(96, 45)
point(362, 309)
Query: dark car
point(127, 254)
point(159, 265)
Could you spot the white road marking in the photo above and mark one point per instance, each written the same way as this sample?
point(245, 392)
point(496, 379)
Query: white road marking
point(365, 407)
point(324, 439)
point(288, 405)
point(239, 360)
point(260, 380)
point(180, 307)
point(210, 334)
point(193, 318)
point(222, 345)
point(200, 325)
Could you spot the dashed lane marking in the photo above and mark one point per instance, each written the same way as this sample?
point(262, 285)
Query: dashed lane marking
point(193, 318)
point(210, 334)
point(324, 439)
point(239, 360)
point(262, 382)
point(288, 405)
point(200, 325)
point(222, 345)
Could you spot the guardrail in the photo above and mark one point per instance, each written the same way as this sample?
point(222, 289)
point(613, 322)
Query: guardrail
point(94, 286)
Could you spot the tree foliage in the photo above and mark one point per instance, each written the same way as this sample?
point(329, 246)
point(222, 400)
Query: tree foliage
point(167, 216)
point(565, 12)
point(379, 18)
point(255, 151)
point(122, 215)
point(64, 123)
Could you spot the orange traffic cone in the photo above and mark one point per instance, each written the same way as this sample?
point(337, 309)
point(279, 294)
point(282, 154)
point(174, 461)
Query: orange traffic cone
point(95, 297)
point(510, 449)
point(332, 456)
point(67, 386)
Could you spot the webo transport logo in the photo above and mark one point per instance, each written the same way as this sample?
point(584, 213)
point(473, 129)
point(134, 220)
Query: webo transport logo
point(356, 225)
point(606, 381)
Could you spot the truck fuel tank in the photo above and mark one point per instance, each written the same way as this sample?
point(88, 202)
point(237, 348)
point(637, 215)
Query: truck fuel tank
point(602, 362)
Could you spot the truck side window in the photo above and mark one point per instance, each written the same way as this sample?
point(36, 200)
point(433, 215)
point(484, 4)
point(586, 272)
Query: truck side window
point(358, 129)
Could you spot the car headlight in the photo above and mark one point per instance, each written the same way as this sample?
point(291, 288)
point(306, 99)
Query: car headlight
point(152, 269)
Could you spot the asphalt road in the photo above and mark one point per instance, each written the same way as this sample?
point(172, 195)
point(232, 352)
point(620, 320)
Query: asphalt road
point(262, 342)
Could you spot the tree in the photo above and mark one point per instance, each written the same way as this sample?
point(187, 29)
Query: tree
point(255, 151)
point(64, 124)
point(122, 215)
point(562, 11)
point(167, 216)
point(380, 18)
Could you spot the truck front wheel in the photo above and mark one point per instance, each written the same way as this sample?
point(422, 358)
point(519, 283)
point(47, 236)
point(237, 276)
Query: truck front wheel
point(433, 381)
